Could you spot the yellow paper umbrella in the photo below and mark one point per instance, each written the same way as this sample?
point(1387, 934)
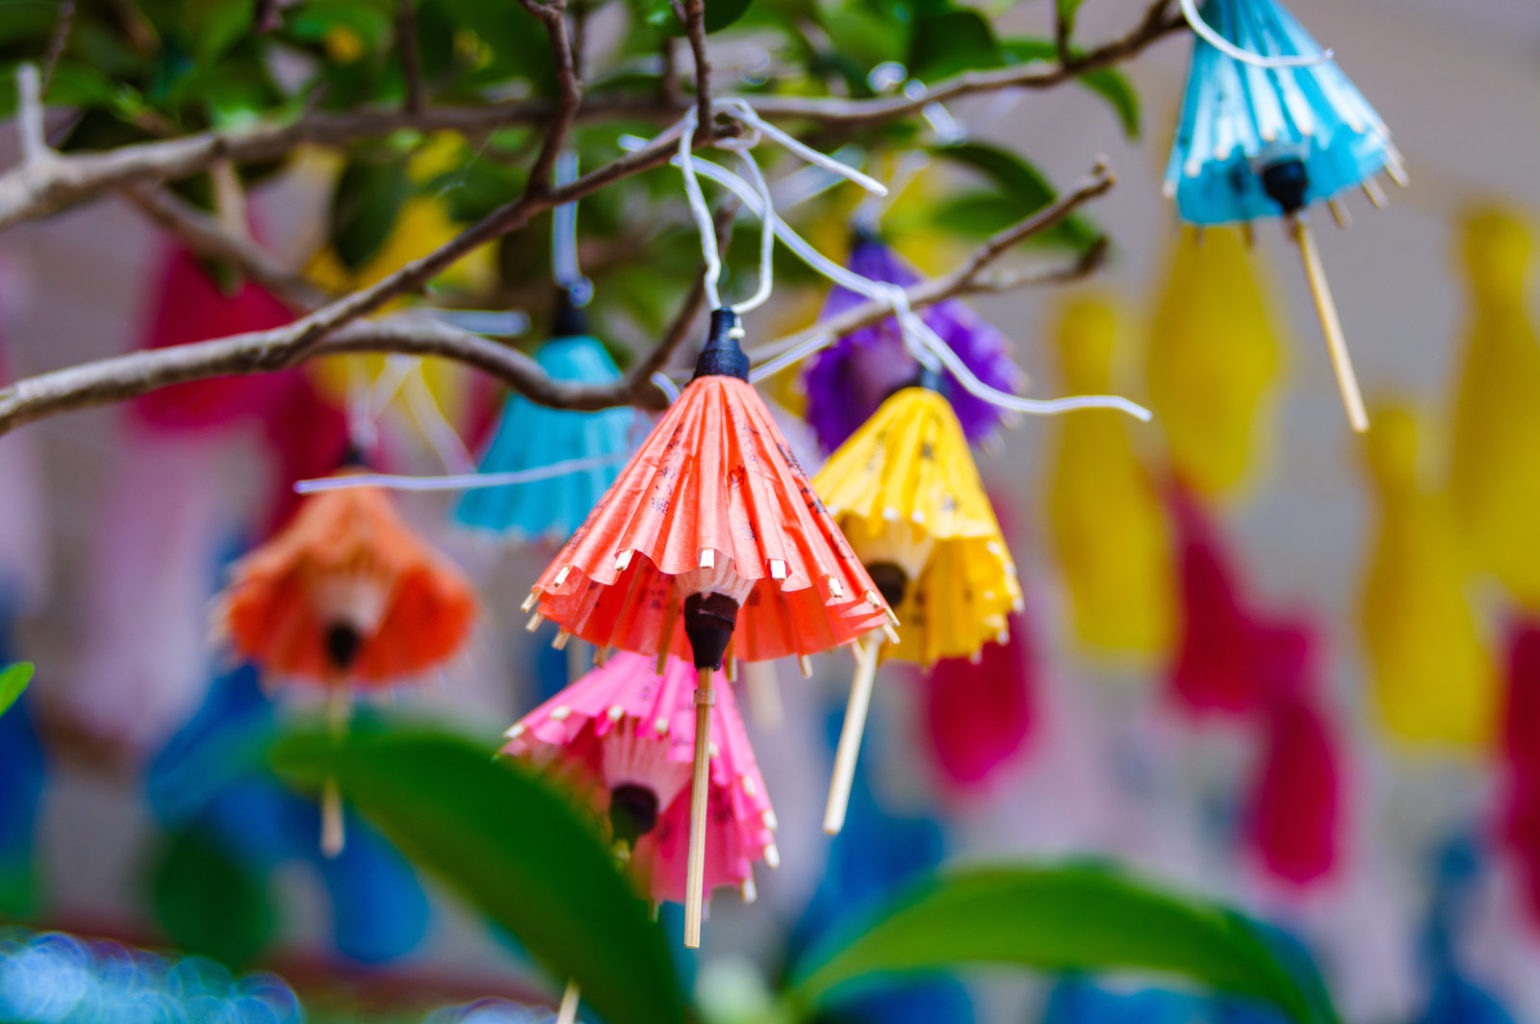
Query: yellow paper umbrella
point(1212, 356)
point(1497, 410)
point(1433, 679)
point(907, 496)
point(1107, 524)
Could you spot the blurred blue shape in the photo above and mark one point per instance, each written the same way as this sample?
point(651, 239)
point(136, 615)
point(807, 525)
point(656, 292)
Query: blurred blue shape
point(214, 772)
point(529, 436)
point(1077, 1000)
point(1455, 998)
point(22, 775)
point(878, 854)
point(1241, 122)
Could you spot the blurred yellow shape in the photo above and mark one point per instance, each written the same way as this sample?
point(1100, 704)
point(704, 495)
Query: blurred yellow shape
point(1433, 679)
point(909, 469)
point(1212, 355)
point(1107, 523)
point(1493, 483)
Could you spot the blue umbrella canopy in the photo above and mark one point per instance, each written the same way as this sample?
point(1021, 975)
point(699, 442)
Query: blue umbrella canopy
point(1265, 141)
point(530, 436)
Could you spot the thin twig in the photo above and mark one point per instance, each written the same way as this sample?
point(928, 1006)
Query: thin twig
point(569, 91)
point(1062, 28)
point(59, 41)
point(693, 14)
point(124, 377)
point(207, 237)
point(29, 118)
point(406, 49)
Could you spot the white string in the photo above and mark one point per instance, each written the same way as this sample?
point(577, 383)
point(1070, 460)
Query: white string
point(698, 209)
point(564, 240)
point(666, 385)
point(766, 236)
point(458, 481)
point(436, 428)
point(1229, 49)
point(926, 346)
point(742, 111)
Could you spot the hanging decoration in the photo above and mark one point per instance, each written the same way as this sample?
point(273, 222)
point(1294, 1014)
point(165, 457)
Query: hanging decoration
point(1270, 126)
point(1211, 360)
point(529, 436)
point(1520, 817)
point(846, 382)
point(906, 493)
point(979, 713)
point(1431, 674)
point(345, 598)
point(1106, 524)
point(1497, 407)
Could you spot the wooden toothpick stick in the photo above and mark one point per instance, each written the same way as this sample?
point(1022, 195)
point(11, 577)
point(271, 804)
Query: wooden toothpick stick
point(850, 737)
point(339, 708)
point(1331, 326)
point(700, 792)
point(567, 1014)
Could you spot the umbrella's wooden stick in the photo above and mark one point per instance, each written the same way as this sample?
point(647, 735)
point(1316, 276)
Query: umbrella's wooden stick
point(567, 1013)
point(1331, 325)
point(339, 708)
point(700, 791)
point(850, 737)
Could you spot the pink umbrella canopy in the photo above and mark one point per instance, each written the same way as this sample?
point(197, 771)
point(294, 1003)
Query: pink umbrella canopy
point(623, 737)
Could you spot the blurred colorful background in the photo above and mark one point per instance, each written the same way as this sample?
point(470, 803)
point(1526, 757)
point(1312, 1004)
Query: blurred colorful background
point(1261, 658)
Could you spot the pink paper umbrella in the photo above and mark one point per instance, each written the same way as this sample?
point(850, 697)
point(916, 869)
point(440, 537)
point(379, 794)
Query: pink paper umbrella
point(623, 737)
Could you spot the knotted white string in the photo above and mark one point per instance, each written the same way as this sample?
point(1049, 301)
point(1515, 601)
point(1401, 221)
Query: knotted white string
point(564, 239)
point(1229, 49)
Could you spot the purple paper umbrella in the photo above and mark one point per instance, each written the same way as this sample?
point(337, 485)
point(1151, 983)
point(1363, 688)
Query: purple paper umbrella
point(847, 381)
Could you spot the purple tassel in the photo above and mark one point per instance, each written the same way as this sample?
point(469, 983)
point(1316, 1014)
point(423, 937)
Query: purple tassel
point(847, 381)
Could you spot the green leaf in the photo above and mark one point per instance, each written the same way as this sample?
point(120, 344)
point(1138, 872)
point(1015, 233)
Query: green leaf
point(13, 681)
point(1109, 83)
point(216, 25)
point(948, 42)
point(513, 847)
point(1067, 11)
point(1078, 918)
point(367, 200)
point(722, 13)
point(208, 901)
point(1021, 190)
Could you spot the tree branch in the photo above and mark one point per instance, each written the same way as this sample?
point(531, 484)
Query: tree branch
point(30, 192)
point(569, 91)
point(124, 377)
point(59, 41)
point(411, 62)
point(693, 14)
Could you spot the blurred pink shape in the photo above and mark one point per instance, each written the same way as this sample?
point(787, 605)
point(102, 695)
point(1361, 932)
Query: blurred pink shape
point(623, 736)
point(977, 716)
point(1520, 816)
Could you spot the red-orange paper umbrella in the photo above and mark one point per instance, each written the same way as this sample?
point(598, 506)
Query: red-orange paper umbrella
point(710, 544)
point(345, 598)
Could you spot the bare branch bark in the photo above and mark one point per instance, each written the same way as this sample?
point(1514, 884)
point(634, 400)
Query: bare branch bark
point(124, 377)
point(406, 50)
point(569, 91)
point(60, 39)
point(693, 14)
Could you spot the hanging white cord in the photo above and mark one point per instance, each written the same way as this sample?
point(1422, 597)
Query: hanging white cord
point(926, 346)
point(742, 111)
point(564, 240)
point(766, 235)
point(1229, 49)
point(460, 481)
point(698, 209)
point(435, 426)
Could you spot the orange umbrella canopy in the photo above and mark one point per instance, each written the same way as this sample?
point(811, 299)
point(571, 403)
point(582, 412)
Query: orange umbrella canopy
point(347, 593)
point(712, 531)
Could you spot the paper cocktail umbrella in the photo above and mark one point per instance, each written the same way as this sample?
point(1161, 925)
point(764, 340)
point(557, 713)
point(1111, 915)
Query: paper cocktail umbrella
point(847, 381)
point(624, 735)
point(905, 491)
point(345, 597)
point(1267, 141)
point(710, 538)
point(530, 436)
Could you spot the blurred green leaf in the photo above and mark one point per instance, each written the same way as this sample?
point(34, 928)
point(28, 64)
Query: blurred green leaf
point(216, 25)
point(209, 902)
point(367, 200)
point(1077, 918)
point(722, 13)
point(1020, 191)
point(1108, 83)
point(13, 682)
point(514, 848)
point(947, 42)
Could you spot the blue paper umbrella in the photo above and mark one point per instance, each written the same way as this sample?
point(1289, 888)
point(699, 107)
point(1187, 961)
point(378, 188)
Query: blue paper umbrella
point(530, 437)
point(1271, 125)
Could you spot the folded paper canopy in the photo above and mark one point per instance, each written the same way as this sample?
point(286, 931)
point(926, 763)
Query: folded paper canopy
point(847, 381)
point(714, 483)
point(910, 465)
point(622, 735)
point(529, 436)
point(346, 594)
point(1259, 142)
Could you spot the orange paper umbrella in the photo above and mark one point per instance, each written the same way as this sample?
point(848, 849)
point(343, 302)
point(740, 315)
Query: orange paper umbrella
point(711, 537)
point(345, 597)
